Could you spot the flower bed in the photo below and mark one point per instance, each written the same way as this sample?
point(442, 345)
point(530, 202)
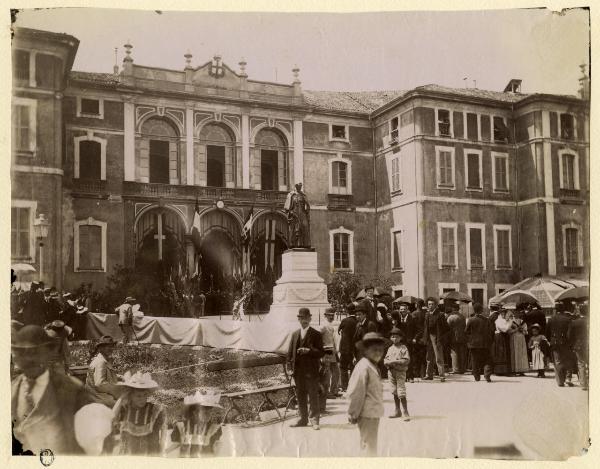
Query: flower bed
point(172, 368)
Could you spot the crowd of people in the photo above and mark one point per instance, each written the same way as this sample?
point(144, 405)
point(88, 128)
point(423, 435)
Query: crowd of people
point(401, 342)
point(419, 340)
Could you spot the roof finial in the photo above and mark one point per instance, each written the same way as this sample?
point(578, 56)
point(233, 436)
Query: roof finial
point(296, 72)
point(188, 59)
point(242, 65)
point(116, 66)
point(128, 48)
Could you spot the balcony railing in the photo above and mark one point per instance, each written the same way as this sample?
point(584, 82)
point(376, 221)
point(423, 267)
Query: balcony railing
point(169, 191)
point(570, 193)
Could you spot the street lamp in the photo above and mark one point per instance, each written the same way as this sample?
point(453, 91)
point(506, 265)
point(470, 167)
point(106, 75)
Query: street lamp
point(40, 230)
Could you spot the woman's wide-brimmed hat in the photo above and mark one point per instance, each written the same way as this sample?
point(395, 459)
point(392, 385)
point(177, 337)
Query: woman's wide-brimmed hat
point(130, 299)
point(204, 397)
point(30, 337)
point(138, 380)
point(536, 326)
point(105, 340)
point(382, 306)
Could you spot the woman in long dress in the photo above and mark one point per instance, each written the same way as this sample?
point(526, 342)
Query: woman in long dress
point(519, 361)
point(501, 348)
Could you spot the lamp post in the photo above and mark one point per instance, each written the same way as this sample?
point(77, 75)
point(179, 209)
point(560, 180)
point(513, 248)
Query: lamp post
point(40, 227)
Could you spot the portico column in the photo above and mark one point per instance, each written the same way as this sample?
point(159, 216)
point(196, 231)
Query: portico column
point(189, 146)
point(298, 153)
point(245, 151)
point(129, 140)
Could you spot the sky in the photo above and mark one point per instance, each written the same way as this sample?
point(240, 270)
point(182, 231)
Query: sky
point(342, 51)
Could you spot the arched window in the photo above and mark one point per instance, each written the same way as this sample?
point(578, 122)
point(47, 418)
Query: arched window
point(216, 157)
point(159, 152)
point(271, 162)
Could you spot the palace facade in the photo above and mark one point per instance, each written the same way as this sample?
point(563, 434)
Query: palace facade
point(438, 188)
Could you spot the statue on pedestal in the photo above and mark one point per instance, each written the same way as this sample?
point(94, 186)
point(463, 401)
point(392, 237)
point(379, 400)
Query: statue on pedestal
point(297, 209)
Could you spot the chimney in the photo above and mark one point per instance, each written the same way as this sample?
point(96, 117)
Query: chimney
point(514, 86)
point(584, 83)
point(297, 83)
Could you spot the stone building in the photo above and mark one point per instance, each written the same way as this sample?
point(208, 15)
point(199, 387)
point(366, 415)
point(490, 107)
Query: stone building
point(437, 188)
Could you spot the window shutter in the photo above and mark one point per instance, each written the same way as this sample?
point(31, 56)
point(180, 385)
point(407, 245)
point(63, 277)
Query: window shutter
point(201, 170)
point(173, 163)
point(144, 160)
point(255, 178)
point(84, 247)
point(229, 175)
point(282, 170)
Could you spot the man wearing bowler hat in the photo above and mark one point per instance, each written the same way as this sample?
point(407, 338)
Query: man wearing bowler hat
point(304, 355)
point(43, 401)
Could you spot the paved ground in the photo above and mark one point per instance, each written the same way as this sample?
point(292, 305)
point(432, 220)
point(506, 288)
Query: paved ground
point(513, 417)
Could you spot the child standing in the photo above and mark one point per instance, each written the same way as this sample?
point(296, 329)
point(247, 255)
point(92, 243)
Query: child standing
point(365, 392)
point(141, 423)
point(538, 343)
point(397, 360)
point(200, 429)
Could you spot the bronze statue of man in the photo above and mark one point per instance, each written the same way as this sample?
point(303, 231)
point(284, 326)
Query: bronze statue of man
point(297, 209)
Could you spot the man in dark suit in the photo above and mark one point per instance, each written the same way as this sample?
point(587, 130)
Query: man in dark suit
point(304, 354)
point(419, 344)
point(480, 336)
point(35, 309)
point(578, 335)
point(363, 326)
point(436, 332)
point(557, 332)
point(43, 402)
point(407, 325)
point(347, 329)
point(369, 303)
point(458, 341)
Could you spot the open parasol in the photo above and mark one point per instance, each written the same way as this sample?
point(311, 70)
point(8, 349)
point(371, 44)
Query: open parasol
point(577, 293)
point(457, 296)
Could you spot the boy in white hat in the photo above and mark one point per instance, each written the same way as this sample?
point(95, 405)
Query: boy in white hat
point(365, 392)
point(200, 429)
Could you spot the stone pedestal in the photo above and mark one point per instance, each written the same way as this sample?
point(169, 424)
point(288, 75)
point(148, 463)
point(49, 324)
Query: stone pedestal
point(299, 286)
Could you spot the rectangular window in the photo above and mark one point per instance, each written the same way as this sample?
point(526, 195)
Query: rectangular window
point(572, 247)
point(448, 247)
point(21, 128)
point(396, 186)
point(396, 250)
point(46, 71)
point(472, 132)
point(500, 163)
point(475, 246)
point(90, 106)
point(500, 130)
point(21, 65)
point(20, 232)
point(445, 168)
point(340, 179)
point(341, 251)
point(90, 247)
point(503, 255)
point(567, 127)
point(568, 171)
point(477, 295)
point(443, 122)
point(394, 130)
point(473, 170)
point(338, 132)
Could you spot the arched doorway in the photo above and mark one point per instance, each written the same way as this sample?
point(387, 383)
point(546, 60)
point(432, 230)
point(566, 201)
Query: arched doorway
point(160, 262)
point(269, 241)
point(219, 262)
